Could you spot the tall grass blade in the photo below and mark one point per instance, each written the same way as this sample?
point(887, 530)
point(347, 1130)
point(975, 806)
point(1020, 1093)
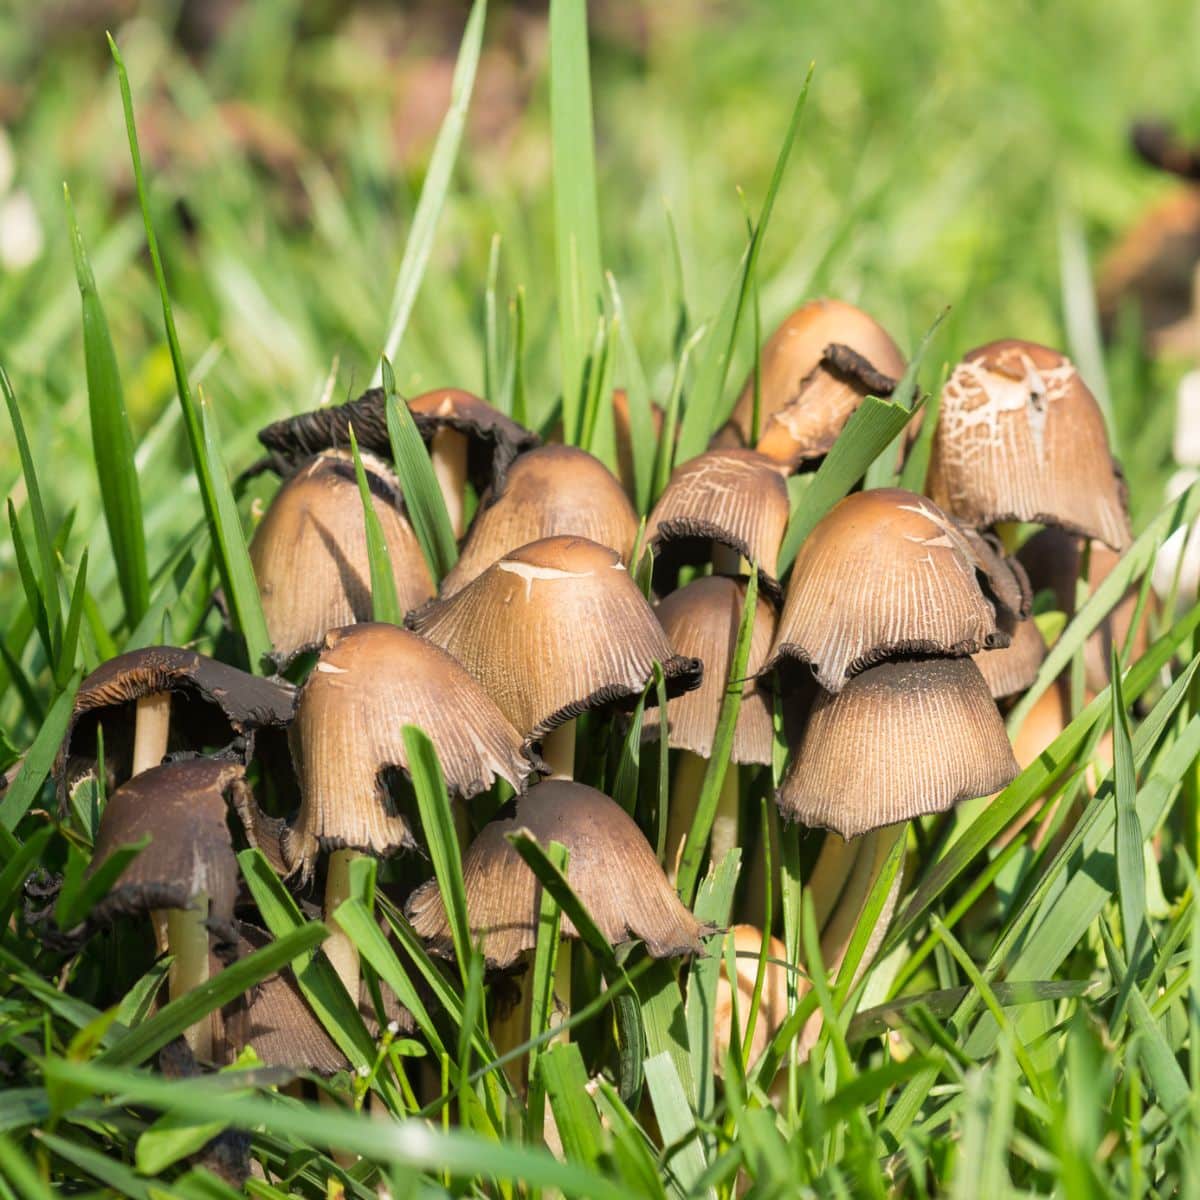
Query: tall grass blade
point(1131, 863)
point(637, 393)
point(69, 645)
point(27, 785)
point(385, 603)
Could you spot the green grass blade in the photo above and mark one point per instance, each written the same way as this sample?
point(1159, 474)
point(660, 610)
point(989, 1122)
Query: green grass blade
point(79, 894)
point(30, 584)
point(17, 867)
point(565, 1080)
point(685, 1153)
point(26, 787)
point(385, 603)
point(21, 1173)
point(70, 638)
point(637, 391)
point(545, 961)
point(1131, 864)
point(916, 465)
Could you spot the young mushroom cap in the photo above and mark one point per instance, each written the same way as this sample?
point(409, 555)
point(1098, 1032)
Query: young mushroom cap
point(1021, 438)
point(736, 498)
point(549, 491)
point(901, 740)
point(611, 868)
point(884, 573)
point(554, 629)
point(701, 620)
point(1010, 669)
point(310, 552)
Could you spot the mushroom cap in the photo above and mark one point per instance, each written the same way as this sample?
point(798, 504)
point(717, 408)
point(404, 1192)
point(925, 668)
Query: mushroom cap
point(735, 497)
point(369, 682)
point(183, 807)
point(517, 628)
point(1010, 669)
point(884, 573)
point(901, 740)
point(611, 868)
point(550, 491)
point(1021, 438)
point(701, 620)
point(815, 370)
point(773, 1002)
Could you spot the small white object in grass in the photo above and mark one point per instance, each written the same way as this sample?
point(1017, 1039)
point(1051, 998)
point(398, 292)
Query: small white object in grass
point(393, 1027)
point(1181, 545)
point(1187, 421)
point(364, 1071)
point(20, 232)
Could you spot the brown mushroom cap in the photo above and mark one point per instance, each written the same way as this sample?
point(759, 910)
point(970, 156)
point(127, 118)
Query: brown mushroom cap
point(735, 497)
point(901, 740)
point(549, 491)
point(611, 868)
point(369, 682)
point(1010, 669)
point(310, 552)
point(884, 573)
point(1021, 438)
point(701, 621)
point(816, 368)
point(553, 629)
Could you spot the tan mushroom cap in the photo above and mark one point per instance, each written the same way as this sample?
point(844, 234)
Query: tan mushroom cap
point(816, 369)
point(884, 573)
point(553, 629)
point(773, 1002)
point(310, 552)
point(901, 740)
point(369, 682)
point(737, 498)
point(701, 621)
point(611, 868)
point(1021, 438)
point(550, 491)
point(1010, 669)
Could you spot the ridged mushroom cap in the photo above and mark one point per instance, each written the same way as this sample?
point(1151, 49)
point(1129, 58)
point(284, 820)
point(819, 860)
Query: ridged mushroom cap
point(737, 498)
point(550, 491)
point(884, 573)
point(611, 868)
point(1010, 669)
point(815, 370)
point(1021, 438)
point(901, 740)
point(701, 620)
point(310, 552)
point(773, 1002)
point(553, 629)
point(369, 682)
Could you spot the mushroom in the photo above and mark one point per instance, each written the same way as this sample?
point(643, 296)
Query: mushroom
point(701, 620)
point(549, 491)
point(1010, 669)
point(552, 630)
point(310, 552)
point(1021, 438)
point(723, 505)
point(773, 1000)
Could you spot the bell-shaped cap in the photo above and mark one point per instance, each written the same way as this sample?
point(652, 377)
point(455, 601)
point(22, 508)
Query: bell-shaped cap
point(1010, 669)
point(899, 741)
point(611, 868)
point(701, 621)
point(554, 629)
point(884, 574)
point(549, 491)
point(1021, 438)
point(736, 498)
point(310, 552)
point(773, 998)
point(369, 682)
point(814, 371)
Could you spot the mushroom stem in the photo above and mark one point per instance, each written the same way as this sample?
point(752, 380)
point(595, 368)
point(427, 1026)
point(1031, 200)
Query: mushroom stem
point(558, 751)
point(831, 873)
point(187, 940)
point(685, 797)
point(449, 453)
point(726, 560)
point(725, 823)
point(339, 949)
point(151, 730)
point(1009, 533)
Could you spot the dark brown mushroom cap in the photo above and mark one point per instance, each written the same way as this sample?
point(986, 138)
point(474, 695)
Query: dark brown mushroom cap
point(369, 682)
point(735, 497)
point(1021, 438)
point(1160, 146)
point(611, 868)
point(884, 573)
point(1004, 578)
point(901, 740)
point(701, 621)
point(184, 808)
point(815, 370)
point(553, 629)
point(310, 552)
point(1010, 669)
point(550, 491)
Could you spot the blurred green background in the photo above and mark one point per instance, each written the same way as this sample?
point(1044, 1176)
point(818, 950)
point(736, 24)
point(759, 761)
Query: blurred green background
point(952, 153)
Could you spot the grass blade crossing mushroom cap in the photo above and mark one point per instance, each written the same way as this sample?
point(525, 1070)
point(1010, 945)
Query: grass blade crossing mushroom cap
point(901, 740)
point(1010, 669)
point(611, 868)
point(885, 573)
point(549, 491)
point(734, 497)
point(1021, 438)
point(310, 552)
point(701, 621)
point(370, 681)
point(553, 629)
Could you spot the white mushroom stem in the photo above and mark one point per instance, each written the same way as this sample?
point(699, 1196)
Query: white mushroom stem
point(187, 940)
point(153, 724)
point(685, 798)
point(339, 949)
point(449, 453)
point(558, 751)
point(830, 874)
point(725, 822)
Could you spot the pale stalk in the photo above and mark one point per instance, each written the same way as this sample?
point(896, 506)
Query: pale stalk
point(153, 724)
point(685, 792)
point(339, 949)
point(558, 751)
point(187, 940)
point(727, 561)
point(448, 451)
point(725, 823)
point(830, 873)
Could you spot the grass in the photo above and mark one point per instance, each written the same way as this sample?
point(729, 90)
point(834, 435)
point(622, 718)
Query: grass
point(1032, 1025)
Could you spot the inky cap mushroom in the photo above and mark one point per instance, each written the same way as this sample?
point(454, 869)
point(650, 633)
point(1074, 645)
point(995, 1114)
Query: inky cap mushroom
point(1010, 669)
